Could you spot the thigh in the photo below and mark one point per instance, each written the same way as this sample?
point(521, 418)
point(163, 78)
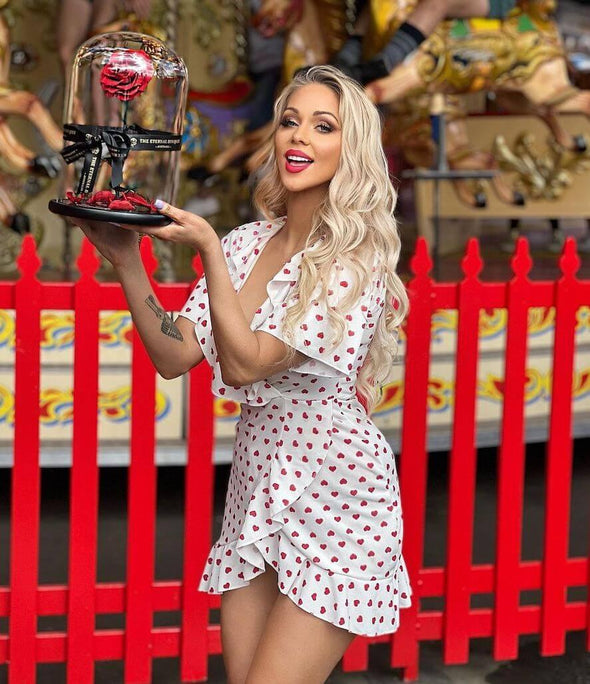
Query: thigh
point(297, 647)
point(243, 615)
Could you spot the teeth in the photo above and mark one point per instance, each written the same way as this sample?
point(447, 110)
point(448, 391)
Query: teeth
point(299, 159)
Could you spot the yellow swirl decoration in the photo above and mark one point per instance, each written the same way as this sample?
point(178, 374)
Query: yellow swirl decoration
point(226, 409)
point(6, 406)
point(57, 331)
point(581, 385)
point(392, 398)
point(115, 406)
point(6, 330)
point(538, 386)
point(443, 321)
point(57, 406)
point(115, 329)
point(541, 320)
point(440, 395)
point(492, 322)
point(583, 319)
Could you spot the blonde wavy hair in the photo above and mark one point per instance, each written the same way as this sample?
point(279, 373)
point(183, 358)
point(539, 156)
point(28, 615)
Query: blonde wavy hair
point(354, 225)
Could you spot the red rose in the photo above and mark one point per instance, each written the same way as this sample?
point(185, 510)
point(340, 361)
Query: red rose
point(126, 74)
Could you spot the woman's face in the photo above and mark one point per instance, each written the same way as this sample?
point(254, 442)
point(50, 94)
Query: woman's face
point(309, 139)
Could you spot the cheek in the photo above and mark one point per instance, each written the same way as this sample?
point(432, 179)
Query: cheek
point(333, 154)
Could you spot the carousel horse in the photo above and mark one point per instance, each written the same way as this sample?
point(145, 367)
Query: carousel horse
point(14, 102)
point(520, 59)
point(20, 158)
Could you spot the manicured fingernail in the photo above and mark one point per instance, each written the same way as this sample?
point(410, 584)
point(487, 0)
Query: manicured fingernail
point(159, 204)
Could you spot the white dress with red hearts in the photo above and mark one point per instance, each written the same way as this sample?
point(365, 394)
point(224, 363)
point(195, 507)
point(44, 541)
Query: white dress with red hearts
point(313, 488)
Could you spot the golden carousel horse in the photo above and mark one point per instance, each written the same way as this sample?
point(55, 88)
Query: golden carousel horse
point(20, 159)
point(520, 58)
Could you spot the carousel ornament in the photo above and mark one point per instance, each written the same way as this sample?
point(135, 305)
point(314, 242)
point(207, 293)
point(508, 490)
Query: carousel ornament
point(125, 110)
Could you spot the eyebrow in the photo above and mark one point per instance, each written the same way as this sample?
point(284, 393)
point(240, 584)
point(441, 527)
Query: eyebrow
point(316, 113)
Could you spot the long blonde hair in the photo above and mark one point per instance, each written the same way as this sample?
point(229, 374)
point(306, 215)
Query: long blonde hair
point(355, 221)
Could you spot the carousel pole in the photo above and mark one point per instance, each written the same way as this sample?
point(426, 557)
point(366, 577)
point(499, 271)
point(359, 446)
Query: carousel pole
point(440, 171)
point(165, 250)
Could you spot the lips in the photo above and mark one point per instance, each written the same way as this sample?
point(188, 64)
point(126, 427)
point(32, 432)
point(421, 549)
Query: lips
point(297, 161)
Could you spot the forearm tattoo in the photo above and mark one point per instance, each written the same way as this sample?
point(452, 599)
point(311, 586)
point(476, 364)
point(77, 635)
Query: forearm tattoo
point(168, 327)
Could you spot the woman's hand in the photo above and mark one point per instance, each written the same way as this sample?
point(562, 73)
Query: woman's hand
point(118, 242)
point(186, 228)
point(116, 246)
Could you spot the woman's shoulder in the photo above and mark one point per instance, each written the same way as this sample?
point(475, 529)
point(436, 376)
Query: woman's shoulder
point(244, 235)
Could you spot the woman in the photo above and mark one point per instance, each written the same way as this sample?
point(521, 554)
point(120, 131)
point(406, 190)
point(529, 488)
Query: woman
point(310, 550)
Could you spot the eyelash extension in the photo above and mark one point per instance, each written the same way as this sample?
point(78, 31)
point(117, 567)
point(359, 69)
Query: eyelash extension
point(323, 126)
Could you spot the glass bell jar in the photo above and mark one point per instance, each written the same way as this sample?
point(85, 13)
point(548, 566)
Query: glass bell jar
point(122, 133)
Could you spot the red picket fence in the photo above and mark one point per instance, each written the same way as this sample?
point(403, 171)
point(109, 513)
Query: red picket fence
point(192, 641)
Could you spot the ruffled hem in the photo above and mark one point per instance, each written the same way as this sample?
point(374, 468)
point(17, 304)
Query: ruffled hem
point(363, 607)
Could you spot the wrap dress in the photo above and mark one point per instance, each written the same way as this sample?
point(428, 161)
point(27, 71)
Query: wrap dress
point(313, 487)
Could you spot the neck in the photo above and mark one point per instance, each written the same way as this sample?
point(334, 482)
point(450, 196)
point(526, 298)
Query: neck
point(300, 209)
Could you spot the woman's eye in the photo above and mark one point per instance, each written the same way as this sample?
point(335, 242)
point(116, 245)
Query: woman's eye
point(325, 128)
point(288, 122)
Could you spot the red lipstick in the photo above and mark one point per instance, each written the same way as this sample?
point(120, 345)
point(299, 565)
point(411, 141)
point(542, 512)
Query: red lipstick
point(297, 161)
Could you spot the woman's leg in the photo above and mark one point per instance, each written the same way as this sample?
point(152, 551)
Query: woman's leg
point(297, 647)
point(243, 615)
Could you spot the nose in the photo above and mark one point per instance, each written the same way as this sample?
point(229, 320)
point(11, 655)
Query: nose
point(300, 135)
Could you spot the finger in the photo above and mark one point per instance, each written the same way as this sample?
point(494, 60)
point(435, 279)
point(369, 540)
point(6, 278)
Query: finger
point(163, 232)
point(177, 215)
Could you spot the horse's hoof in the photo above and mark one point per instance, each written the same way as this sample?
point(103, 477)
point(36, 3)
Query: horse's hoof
point(481, 201)
point(518, 198)
point(580, 144)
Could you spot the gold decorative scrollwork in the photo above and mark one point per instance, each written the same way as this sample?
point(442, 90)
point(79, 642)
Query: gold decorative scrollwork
point(469, 55)
point(540, 174)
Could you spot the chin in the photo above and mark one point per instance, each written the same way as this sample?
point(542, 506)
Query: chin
point(301, 184)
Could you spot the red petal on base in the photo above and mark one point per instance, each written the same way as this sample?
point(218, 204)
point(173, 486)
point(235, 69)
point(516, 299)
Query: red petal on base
point(102, 197)
point(74, 199)
point(121, 205)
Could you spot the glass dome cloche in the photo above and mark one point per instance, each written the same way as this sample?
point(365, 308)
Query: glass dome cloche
point(122, 133)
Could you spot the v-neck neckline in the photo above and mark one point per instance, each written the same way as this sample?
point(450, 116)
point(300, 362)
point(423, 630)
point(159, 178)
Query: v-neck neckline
point(255, 257)
point(254, 260)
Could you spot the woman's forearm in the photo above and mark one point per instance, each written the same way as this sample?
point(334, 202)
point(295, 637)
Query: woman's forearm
point(164, 342)
point(237, 345)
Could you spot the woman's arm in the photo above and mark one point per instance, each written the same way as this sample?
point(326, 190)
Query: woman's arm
point(171, 345)
point(244, 356)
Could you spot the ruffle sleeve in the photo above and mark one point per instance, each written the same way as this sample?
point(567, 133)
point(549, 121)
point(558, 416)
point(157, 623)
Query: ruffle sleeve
point(312, 335)
point(197, 302)
point(238, 246)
